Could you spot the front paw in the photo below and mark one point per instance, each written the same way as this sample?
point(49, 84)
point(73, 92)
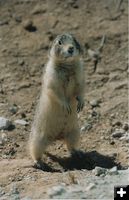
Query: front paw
point(80, 104)
point(67, 107)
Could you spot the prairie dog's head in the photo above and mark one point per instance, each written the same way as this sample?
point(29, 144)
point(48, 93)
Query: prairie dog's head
point(65, 46)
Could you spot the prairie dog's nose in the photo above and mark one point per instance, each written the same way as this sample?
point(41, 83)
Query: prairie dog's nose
point(71, 49)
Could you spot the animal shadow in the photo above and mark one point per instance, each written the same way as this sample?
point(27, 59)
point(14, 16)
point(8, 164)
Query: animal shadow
point(88, 160)
point(45, 167)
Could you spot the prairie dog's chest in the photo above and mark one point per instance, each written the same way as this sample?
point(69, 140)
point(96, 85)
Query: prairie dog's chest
point(70, 87)
point(68, 81)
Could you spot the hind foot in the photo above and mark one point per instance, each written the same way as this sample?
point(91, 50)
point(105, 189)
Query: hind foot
point(39, 164)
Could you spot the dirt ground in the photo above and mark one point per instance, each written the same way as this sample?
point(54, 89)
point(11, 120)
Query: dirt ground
point(27, 29)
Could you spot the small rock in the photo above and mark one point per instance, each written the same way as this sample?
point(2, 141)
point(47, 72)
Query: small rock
point(23, 115)
point(102, 137)
point(95, 114)
point(1, 191)
point(17, 18)
point(21, 122)
point(4, 123)
point(4, 156)
point(86, 127)
point(114, 155)
point(83, 128)
point(4, 138)
point(112, 115)
point(27, 23)
point(125, 137)
point(112, 142)
point(38, 9)
point(118, 133)
point(94, 103)
point(10, 152)
point(23, 85)
point(21, 62)
point(4, 22)
point(29, 26)
point(56, 190)
point(126, 126)
point(90, 187)
point(75, 26)
point(75, 6)
point(13, 109)
point(113, 171)
point(117, 123)
point(102, 175)
point(99, 170)
point(4, 50)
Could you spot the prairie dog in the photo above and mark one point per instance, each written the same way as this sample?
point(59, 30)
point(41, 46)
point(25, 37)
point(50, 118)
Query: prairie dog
point(61, 98)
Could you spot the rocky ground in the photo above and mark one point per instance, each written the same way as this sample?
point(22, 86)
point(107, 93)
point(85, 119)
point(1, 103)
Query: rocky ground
point(27, 29)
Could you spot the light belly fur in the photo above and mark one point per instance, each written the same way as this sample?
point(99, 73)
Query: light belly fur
point(55, 122)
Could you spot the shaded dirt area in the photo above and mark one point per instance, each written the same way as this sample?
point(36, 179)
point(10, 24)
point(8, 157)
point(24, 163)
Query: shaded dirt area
point(27, 29)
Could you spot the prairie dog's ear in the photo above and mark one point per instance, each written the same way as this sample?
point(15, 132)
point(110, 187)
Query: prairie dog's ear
point(51, 46)
point(78, 46)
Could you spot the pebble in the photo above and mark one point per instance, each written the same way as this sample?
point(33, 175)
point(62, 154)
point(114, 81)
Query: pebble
point(23, 85)
point(1, 191)
point(3, 138)
point(112, 142)
point(75, 26)
point(29, 26)
point(95, 114)
point(86, 127)
point(21, 122)
point(83, 128)
point(102, 137)
point(125, 137)
point(118, 133)
point(117, 123)
point(126, 126)
point(5, 123)
point(13, 109)
point(99, 170)
point(90, 186)
point(21, 62)
point(56, 190)
point(29, 178)
point(94, 103)
point(17, 18)
point(4, 22)
point(38, 9)
point(112, 115)
point(113, 171)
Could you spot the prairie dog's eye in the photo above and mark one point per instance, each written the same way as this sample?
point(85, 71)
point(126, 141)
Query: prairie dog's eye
point(60, 42)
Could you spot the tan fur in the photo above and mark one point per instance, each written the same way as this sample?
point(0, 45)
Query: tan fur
point(62, 83)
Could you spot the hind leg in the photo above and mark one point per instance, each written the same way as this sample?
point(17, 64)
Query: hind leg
point(72, 141)
point(37, 148)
